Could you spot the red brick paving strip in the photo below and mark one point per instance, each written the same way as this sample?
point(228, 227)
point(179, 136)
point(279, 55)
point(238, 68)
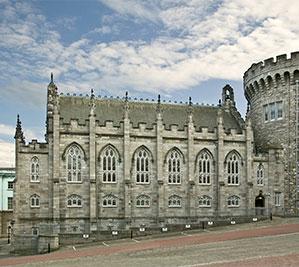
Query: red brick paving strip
point(290, 260)
point(154, 244)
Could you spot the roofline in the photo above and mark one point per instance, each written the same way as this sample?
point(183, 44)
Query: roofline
point(7, 169)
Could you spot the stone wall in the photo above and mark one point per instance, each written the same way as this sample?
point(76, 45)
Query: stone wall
point(269, 82)
point(5, 219)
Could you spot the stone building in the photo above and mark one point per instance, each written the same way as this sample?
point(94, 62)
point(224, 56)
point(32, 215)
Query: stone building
point(119, 163)
point(272, 90)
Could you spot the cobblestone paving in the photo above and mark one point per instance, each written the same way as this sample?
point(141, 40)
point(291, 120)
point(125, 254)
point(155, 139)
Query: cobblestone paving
point(264, 244)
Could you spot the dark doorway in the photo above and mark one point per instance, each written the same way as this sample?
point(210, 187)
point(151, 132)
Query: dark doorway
point(260, 203)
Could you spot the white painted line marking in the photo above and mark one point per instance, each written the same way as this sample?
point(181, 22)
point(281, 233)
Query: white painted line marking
point(106, 245)
point(137, 241)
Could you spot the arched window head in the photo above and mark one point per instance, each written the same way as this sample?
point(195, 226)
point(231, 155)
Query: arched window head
point(174, 167)
point(233, 201)
point(35, 201)
point(34, 170)
point(109, 201)
point(205, 201)
point(74, 164)
point(174, 201)
point(233, 168)
point(142, 166)
point(109, 165)
point(205, 165)
point(74, 201)
point(260, 175)
point(143, 201)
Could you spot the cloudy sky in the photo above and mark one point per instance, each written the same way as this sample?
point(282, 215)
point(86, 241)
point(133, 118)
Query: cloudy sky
point(177, 48)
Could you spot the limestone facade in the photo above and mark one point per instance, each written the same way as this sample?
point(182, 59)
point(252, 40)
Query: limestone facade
point(272, 88)
point(114, 164)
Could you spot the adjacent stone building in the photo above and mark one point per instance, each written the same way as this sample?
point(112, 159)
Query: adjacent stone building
point(121, 163)
point(272, 90)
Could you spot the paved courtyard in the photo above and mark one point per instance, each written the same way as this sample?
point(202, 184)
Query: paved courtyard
point(268, 243)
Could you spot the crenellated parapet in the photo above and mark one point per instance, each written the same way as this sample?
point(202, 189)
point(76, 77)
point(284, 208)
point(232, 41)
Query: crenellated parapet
point(270, 88)
point(271, 74)
point(34, 147)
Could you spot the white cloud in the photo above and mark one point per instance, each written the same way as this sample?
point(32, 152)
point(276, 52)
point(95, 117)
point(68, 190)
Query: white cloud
point(7, 130)
point(29, 133)
point(142, 9)
point(198, 40)
point(7, 154)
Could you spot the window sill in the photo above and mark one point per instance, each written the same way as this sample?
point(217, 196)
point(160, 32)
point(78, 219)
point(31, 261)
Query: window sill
point(205, 207)
point(109, 182)
point(109, 206)
point(34, 182)
point(74, 207)
point(73, 182)
point(34, 207)
point(233, 184)
point(234, 206)
point(204, 184)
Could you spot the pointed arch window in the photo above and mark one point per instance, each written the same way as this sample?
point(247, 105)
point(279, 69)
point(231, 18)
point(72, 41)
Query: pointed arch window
point(205, 165)
point(174, 167)
point(205, 201)
point(34, 170)
point(109, 165)
point(143, 166)
point(109, 201)
point(260, 175)
point(35, 201)
point(74, 164)
point(143, 201)
point(175, 201)
point(233, 168)
point(233, 201)
point(74, 201)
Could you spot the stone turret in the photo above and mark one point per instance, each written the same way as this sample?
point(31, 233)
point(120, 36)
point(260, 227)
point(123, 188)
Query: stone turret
point(270, 88)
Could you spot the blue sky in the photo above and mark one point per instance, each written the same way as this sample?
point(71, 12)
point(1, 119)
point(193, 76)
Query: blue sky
point(176, 48)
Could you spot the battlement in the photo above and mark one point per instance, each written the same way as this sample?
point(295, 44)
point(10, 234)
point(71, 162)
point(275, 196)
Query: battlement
point(34, 147)
point(85, 98)
point(271, 64)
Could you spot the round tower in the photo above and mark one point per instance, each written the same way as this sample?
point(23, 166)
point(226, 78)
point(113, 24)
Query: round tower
point(271, 88)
